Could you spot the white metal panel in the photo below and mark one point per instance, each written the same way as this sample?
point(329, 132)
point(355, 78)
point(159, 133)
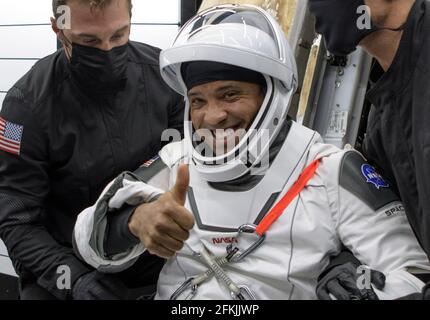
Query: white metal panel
point(3, 250)
point(25, 11)
point(14, 69)
point(158, 36)
point(2, 95)
point(27, 42)
point(341, 100)
point(160, 11)
point(6, 266)
point(40, 11)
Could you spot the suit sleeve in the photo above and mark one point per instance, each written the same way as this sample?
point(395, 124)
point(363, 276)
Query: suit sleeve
point(24, 187)
point(93, 235)
point(371, 222)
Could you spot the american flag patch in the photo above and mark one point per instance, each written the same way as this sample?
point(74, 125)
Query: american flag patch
point(151, 161)
point(10, 136)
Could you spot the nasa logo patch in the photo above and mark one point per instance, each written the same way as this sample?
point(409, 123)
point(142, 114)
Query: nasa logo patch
point(373, 177)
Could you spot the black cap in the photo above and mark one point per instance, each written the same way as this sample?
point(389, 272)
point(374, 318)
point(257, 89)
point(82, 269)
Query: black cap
point(196, 73)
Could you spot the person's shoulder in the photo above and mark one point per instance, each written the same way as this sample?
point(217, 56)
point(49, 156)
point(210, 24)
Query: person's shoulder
point(364, 181)
point(44, 73)
point(38, 84)
point(142, 53)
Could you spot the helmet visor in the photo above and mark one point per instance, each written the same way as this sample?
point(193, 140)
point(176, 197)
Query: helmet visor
point(236, 27)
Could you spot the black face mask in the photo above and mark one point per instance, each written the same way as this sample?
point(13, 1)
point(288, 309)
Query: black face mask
point(99, 70)
point(337, 21)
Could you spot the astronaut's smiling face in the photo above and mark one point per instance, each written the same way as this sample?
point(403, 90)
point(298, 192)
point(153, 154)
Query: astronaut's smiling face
point(222, 111)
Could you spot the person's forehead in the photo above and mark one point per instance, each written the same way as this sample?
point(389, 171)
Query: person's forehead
point(221, 85)
point(108, 19)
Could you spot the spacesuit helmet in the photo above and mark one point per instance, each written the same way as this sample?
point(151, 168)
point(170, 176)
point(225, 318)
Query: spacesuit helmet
point(247, 37)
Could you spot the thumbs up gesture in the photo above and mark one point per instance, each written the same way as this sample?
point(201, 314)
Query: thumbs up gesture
point(163, 225)
point(179, 190)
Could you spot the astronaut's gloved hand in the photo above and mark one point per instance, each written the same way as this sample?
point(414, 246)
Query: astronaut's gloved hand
point(99, 286)
point(342, 282)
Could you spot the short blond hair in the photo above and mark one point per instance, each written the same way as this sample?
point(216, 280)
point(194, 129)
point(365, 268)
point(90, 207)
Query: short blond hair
point(94, 4)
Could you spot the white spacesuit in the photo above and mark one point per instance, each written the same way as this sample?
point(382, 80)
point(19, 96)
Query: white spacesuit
point(227, 256)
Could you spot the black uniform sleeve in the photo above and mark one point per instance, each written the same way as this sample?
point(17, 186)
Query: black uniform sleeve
point(24, 187)
point(118, 237)
point(374, 151)
point(176, 116)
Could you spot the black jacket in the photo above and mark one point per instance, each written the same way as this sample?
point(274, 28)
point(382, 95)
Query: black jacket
point(73, 143)
point(398, 135)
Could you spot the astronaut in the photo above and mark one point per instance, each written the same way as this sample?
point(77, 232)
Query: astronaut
point(249, 205)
